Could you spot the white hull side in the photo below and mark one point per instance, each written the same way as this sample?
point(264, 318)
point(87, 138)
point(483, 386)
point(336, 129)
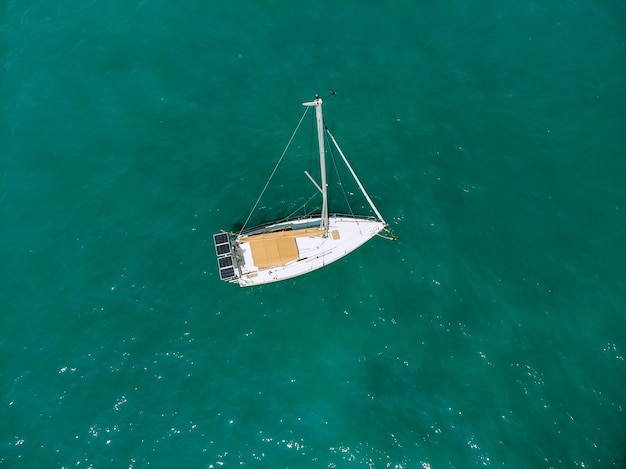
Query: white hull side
point(313, 252)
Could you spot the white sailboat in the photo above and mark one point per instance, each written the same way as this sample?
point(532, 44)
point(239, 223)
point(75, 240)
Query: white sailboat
point(291, 247)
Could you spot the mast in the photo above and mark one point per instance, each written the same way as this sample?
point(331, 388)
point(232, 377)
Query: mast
point(320, 138)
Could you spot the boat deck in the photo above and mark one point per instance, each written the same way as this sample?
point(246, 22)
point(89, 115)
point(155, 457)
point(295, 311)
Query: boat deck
point(276, 255)
point(276, 249)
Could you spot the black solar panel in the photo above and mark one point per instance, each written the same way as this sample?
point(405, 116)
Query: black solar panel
point(222, 249)
point(228, 272)
point(220, 238)
point(225, 261)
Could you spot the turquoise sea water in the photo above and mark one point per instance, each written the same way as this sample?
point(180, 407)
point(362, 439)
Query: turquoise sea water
point(491, 136)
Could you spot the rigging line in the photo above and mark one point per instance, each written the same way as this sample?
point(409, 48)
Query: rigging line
point(358, 181)
point(339, 180)
point(290, 217)
point(273, 171)
point(303, 206)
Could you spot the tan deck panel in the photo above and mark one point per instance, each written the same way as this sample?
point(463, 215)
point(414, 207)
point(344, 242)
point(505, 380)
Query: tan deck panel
point(275, 252)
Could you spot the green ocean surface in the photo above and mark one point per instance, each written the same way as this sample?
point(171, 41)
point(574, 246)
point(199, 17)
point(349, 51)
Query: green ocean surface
point(492, 137)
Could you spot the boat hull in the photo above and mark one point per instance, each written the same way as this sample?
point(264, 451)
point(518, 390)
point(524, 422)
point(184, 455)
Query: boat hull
point(290, 249)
